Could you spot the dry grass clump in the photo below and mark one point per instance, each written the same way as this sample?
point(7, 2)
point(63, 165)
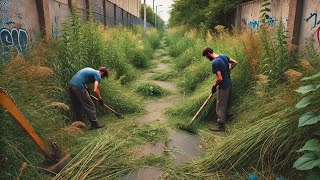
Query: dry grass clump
point(33, 72)
point(253, 51)
point(209, 37)
point(73, 130)
point(293, 76)
point(305, 64)
point(220, 29)
point(19, 68)
point(191, 33)
point(78, 124)
point(60, 105)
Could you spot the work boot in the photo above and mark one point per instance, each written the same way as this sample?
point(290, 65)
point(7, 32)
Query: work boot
point(219, 128)
point(96, 125)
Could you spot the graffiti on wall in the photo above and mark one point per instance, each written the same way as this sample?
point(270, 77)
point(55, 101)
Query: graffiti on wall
point(313, 18)
point(255, 24)
point(13, 37)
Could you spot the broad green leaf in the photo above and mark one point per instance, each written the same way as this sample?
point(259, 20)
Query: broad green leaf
point(308, 118)
point(308, 88)
point(304, 102)
point(311, 145)
point(311, 77)
point(307, 162)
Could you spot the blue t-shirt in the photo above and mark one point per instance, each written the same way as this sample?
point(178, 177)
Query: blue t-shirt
point(84, 76)
point(221, 63)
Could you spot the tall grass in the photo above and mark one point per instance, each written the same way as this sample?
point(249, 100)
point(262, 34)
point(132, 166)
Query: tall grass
point(265, 139)
point(264, 136)
point(275, 58)
point(38, 84)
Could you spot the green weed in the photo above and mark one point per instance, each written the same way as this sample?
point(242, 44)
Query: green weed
point(151, 89)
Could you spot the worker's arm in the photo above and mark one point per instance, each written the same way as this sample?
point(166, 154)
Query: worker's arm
point(96, 89)
point(218, 79)
point(233, 63)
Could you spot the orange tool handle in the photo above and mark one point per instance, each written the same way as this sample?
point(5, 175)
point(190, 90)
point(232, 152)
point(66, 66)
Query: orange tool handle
point(13, 110)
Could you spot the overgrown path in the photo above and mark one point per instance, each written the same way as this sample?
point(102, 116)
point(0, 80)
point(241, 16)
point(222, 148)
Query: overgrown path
point(179, 147)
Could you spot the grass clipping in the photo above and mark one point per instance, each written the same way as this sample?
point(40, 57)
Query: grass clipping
point(101, 158)
point(268, 144)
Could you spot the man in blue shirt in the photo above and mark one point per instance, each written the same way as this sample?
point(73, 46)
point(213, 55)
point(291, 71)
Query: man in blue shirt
point(221, 68)
point(80, 96)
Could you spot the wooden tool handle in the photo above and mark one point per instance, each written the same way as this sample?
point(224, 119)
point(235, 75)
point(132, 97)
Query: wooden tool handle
point(203, 105)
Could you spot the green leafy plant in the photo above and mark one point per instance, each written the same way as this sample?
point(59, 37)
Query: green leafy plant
point(150, 89)
point(264, 16)
point(311, 103)
point(276, 59)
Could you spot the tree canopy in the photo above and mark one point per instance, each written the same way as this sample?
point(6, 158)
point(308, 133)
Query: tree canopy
point(208, 12)
point(150, 16)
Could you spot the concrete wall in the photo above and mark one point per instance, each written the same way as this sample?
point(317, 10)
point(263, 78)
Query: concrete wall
point(19, 25)
point(250, 12)
point(299, 16)
point(59, 13)
point(310, 22)
point(24, 21)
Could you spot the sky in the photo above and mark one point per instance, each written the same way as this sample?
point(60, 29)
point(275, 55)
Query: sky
point(165, 8)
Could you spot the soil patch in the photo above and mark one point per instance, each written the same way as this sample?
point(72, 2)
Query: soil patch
point(183, 146)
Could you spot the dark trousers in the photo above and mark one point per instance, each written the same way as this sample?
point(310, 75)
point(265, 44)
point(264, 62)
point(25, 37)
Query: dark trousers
point(82, 102)
point(223, 106)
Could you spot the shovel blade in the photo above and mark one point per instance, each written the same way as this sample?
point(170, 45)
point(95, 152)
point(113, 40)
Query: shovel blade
point(57, 167)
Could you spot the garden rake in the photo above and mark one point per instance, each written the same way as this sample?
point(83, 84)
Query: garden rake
point(117, 114)
point(188, 128)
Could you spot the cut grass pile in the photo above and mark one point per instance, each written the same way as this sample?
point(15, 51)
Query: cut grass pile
point(103, 157)
point(164, 76)
point(264, 137)
point(150, 89)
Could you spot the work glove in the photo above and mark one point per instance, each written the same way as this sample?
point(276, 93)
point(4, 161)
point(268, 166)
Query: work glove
point(101, 102)
point(213, 89)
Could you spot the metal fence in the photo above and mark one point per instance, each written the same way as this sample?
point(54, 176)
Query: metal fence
point(103, 12)
point(109, 14)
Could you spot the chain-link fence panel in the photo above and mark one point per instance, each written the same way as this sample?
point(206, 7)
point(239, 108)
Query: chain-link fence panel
point(129, 20)
point(97, 10)
point(119, 16)
point(125, 18)
point(81, 8)
point(110, 14)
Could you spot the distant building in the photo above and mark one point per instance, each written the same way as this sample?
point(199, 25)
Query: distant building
point(132, 6)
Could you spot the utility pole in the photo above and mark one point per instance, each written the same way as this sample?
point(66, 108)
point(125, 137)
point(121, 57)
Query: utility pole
point(145, 19)
point(157, 17)
point(155, 21)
